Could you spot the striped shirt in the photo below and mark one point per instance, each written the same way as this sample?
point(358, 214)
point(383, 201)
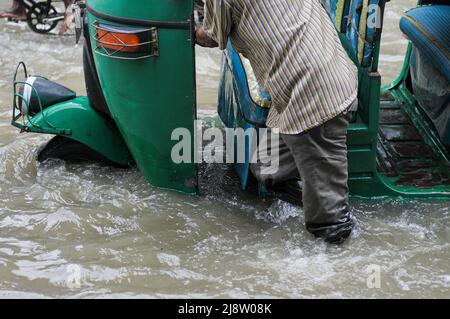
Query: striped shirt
point(295, 53)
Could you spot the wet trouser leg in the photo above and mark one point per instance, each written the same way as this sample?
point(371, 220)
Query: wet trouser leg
point(321, 158)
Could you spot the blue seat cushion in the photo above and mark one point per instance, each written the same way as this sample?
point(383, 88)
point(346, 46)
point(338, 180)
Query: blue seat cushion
point(428, 28)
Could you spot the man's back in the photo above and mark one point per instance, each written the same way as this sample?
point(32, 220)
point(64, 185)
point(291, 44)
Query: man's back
point(296, 55)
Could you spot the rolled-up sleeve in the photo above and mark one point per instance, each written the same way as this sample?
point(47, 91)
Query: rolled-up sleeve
point(218, 21)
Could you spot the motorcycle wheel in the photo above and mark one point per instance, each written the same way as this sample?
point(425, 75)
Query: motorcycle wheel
point(69, 150)
point(36, 15)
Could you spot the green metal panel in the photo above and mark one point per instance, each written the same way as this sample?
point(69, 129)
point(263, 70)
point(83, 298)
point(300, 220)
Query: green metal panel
point(150, 98)
point(156, 10)
point(358, 159)
point(362, 139)
point(365, 179)
point(76, 119)
point(398, 89)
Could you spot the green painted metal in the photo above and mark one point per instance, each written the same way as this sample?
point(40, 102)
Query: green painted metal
point(76, 119)
point(363, 134)
point(365, 179)
point(149, 98)
point(403, 73)
point(399, 90)
point(154, 10)
point(421, 122)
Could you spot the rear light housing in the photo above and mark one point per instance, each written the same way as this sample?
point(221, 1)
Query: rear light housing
point(126, 43)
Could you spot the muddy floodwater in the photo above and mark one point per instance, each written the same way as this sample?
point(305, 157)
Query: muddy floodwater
point(81, 231)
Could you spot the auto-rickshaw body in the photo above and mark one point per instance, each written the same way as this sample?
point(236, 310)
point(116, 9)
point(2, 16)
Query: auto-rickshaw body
point(140, 73)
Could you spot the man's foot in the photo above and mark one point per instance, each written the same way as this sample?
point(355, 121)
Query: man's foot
point(335, 234)
point(18, 14)
point(340, 236)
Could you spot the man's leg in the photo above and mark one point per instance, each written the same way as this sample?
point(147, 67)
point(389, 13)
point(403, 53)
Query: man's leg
point(321, 158)
point(264, 169)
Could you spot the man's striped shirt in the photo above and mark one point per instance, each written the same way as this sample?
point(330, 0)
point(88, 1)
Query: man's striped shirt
point(295, 53)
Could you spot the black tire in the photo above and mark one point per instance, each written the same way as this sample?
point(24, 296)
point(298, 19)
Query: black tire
point(66, 149)
point(37, 13)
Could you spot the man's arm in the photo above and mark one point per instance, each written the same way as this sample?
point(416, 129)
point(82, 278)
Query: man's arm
point(216, 25)
point(203, 39)
point(68, 17)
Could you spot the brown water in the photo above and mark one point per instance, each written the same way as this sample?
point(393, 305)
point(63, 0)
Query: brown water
point(123, 238)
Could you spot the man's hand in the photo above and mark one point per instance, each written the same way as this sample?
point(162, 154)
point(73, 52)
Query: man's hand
point(204, 40)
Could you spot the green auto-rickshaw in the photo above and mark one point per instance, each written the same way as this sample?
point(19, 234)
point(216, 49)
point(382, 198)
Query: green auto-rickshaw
point(139, 62)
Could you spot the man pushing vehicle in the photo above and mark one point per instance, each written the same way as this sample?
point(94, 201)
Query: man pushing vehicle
point(298, 58)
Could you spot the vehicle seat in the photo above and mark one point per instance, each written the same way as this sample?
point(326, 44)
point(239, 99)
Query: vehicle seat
point(40, 93)
point(428, 28)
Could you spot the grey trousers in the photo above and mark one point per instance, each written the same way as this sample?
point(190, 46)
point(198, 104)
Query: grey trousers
point(321, 159)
